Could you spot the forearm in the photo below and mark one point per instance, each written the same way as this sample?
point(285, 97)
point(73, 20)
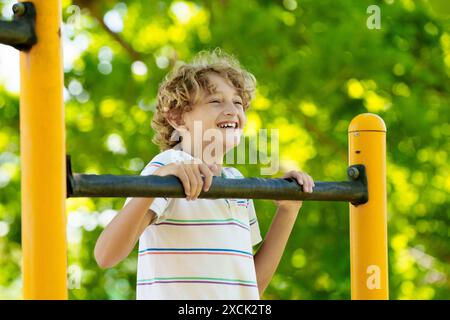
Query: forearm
point(269, 255)
point(119, 237)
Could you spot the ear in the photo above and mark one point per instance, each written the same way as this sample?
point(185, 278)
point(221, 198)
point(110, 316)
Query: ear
point(175, 120)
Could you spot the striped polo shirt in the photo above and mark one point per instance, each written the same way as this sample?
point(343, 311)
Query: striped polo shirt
point(198, 249)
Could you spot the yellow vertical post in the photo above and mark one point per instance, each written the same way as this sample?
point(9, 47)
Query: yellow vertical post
point(42, 140)
point(368, 222)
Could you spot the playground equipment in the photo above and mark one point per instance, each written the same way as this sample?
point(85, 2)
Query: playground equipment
point(92, 185)
point(47, 179)
point(20, 33)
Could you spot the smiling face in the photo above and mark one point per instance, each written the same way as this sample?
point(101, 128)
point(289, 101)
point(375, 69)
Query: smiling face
point(218, 117)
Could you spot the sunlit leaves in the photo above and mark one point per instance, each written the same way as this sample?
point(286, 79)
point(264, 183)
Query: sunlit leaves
point(317, 66)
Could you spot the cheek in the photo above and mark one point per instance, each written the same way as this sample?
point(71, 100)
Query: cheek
point(210, 115)
point(205, 118)
point(243, 120)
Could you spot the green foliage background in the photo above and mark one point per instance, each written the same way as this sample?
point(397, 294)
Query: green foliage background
point(317, 66)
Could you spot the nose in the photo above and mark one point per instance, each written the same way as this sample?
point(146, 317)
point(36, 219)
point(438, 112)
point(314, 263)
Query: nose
point(230, 109)
point(230, 112)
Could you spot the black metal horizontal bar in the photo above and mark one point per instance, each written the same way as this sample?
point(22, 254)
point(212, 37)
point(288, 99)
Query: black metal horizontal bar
point(86, 185)
point(90, 185)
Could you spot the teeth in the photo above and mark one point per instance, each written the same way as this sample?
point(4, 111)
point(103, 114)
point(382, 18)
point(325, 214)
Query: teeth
point(228, 125)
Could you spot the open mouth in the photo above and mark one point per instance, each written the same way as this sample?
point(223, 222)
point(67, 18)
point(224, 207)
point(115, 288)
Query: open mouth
point(228, 125)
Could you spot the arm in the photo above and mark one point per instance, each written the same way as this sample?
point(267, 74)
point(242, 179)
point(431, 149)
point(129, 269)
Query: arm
point(120, 236)
point(269, 254)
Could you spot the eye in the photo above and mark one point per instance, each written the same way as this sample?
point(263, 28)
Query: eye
point(238, 102)
point(214, 101)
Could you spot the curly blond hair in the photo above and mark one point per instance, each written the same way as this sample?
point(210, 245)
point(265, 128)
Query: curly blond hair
point(181, 89)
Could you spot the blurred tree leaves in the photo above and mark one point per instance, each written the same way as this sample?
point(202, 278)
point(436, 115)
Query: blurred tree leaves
point(317, 66)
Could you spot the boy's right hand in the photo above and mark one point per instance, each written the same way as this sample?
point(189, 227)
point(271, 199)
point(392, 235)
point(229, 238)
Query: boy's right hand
point(189, 174)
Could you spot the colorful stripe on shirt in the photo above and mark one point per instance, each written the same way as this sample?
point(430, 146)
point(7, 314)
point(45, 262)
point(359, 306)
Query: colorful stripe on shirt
point(243, 202)
point(155, 164)
point(223, 281)
point(253, 221)
point(187, 223)
point(216, 251)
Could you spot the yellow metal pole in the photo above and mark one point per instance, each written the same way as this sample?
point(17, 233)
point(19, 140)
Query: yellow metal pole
point(42, 140)
point(368, 222)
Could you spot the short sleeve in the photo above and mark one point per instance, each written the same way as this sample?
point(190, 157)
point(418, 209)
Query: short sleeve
point(254, 226)
point(158, 205)
point(253, 219)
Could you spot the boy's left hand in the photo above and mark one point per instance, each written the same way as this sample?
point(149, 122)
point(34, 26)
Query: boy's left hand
point(303, 179)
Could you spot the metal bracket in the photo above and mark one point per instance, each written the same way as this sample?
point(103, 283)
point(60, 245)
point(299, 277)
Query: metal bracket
point(69, 176)
point(20, 33)
point(357, 173)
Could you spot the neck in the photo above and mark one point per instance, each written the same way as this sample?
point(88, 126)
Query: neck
point(213, 161)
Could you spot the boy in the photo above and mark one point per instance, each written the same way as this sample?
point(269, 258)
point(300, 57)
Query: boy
point(199, 248)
